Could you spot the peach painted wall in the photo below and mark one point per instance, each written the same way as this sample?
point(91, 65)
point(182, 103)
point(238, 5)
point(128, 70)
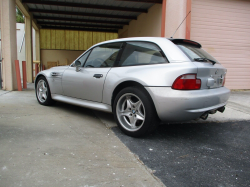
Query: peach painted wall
point(175, 13)
point(147, 24)
point(223, 29)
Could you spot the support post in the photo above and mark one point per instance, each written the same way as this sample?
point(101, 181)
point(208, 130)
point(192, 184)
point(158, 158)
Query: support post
point(163, 18)
point(36, 69)
point(29, 48)
point(24, 74)
point(18, 76)
point(9, 48)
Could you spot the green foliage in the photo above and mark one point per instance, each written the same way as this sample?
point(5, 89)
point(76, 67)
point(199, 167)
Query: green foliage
point(19, 16)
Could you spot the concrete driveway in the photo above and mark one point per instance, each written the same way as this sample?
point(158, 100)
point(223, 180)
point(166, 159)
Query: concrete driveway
point(67, 145)
point(62, 145)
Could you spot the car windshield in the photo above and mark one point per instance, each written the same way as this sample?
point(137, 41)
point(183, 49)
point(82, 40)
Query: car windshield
point(197, 54)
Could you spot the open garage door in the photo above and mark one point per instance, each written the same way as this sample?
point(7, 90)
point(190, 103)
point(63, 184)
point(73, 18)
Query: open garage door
point(223, 27)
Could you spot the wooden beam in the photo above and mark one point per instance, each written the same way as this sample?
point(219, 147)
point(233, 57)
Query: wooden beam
point(82, 14)
point(143, 1)
point(83, 5)
point(77, 24)
point(79, 29)
point(81, 20)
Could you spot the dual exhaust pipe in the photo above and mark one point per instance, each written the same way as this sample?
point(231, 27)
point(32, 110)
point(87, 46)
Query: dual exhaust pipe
point(204, 116)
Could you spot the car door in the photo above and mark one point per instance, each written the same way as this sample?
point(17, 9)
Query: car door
point(87, 83)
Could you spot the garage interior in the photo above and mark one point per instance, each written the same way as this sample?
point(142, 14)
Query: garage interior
point(64, 29)
point(68, 28)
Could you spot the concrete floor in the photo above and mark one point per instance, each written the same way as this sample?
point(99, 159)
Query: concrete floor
point(62, 145)
point(66, 145)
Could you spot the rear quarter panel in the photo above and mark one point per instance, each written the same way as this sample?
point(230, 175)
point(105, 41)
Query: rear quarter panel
point(158, 75)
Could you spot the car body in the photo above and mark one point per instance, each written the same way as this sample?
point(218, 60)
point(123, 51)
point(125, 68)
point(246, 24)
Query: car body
point(171, 79)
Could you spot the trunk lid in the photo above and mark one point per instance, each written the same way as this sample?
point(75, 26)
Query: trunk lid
point(212, 76)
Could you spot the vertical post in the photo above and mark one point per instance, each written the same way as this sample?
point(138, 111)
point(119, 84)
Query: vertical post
point(43, 67)
point(36, 69)
point(38, 45)
point(18, 76)
point(163, 18)
point(24, 74)
point(29, 48)
point(188, 20)
point(8, 40)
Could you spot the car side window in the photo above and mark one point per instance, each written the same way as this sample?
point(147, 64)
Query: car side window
point(103, 56)
point(141, 53)
point(82, 59)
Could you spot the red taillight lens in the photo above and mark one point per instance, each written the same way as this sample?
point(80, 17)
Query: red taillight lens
point(187, 82)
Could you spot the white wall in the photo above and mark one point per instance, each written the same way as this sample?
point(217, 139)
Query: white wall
point(19, 37)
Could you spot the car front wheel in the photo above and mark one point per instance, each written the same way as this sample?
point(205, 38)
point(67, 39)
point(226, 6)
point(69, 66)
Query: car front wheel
point(43, 92)
point(135, 112)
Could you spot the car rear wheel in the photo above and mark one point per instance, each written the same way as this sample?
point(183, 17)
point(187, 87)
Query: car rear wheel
point(43, 92)
point(135, 112)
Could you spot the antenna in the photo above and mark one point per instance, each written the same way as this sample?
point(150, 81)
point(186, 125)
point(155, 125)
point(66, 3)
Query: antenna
point(180, 24)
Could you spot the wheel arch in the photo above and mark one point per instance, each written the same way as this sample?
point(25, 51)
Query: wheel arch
point(126, 84)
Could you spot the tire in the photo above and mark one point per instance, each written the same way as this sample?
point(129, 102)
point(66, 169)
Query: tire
point(43, 92)
point(134, 112)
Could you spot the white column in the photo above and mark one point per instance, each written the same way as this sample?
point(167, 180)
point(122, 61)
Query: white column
point(29, 48)
point(9, 48)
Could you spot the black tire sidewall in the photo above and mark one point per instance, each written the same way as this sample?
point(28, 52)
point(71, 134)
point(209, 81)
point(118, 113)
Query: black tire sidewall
point(49, 100)
point(150, 119)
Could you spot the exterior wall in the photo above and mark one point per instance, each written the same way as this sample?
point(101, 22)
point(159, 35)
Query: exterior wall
point(175, 14)
point(147, 24)
point(72, 40)
point(63, 56)
point(223, 27)
point(66, 45)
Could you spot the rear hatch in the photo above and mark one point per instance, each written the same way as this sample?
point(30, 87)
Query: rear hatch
point(209, 70)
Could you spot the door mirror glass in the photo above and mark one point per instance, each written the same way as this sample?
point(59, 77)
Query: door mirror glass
point(77, 63)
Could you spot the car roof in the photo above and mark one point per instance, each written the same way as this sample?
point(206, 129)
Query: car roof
point(147, 39)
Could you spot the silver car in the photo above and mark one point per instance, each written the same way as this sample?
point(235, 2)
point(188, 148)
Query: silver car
point(142, 81)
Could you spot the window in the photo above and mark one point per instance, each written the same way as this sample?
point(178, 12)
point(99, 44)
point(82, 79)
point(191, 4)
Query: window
point(195, 52)
point(103, 56)
point(82, 59)
point(141, 53)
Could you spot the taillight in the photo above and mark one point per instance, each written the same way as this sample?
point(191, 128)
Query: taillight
point(187, 82)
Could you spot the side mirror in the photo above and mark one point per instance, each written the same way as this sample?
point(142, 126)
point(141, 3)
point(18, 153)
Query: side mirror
point(78, 65)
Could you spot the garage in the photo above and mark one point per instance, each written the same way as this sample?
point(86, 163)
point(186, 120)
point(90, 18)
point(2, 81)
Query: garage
point(223, 27)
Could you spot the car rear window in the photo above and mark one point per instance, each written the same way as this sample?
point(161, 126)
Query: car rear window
point(141, 53)
point(195, 52)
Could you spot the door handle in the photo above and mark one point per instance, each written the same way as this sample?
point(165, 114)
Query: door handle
point(98, 76)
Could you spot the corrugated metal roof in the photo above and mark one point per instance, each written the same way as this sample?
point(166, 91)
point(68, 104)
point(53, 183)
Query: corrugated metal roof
point(120, 12)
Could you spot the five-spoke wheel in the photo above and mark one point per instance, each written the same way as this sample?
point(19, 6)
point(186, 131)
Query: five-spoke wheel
point(134, 111)
point(130, 112)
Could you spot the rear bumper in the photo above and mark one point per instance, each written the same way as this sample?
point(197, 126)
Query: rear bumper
point(174, 105)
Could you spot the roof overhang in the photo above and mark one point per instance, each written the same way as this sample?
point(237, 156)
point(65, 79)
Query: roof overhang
point(105, 16)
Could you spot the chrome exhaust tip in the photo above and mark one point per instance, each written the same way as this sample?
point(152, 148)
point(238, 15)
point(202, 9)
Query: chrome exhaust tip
point(221, 109)
point(204, 116)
